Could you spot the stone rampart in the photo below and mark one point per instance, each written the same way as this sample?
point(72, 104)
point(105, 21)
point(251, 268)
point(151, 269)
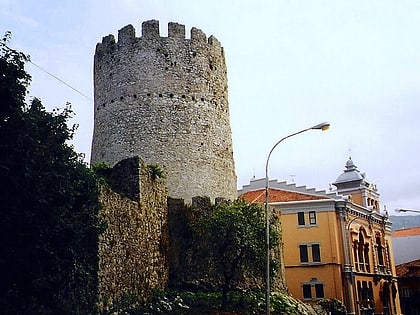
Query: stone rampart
point(133, 250)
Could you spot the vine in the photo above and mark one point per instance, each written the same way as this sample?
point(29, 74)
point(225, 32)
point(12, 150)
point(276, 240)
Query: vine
point(155, 171)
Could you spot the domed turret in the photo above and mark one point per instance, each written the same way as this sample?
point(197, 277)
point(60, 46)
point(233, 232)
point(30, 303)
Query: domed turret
point(354, 184)
point(350, 174)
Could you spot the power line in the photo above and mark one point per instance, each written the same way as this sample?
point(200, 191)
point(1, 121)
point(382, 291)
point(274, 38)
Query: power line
point(50, 74)
point(60, 80)
point(74, 89)
point(65, 83)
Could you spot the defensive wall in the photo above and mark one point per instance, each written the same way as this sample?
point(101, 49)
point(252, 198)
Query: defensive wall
point(133, 249)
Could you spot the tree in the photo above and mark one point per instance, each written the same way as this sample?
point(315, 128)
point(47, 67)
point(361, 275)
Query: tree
point(235, 235)
point(13, 81)
point(48, 197)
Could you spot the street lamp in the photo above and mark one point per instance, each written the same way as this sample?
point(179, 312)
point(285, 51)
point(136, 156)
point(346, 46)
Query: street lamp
point(322, 126)
point(406, 210)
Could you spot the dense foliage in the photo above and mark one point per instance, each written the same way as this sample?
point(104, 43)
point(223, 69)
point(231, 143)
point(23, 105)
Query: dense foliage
point(333, 306)
point(246, 302)
point(235, 236)
point(48, 198)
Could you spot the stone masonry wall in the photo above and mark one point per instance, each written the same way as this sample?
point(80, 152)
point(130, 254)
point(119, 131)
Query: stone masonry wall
point(166, 100)
point(134, 247)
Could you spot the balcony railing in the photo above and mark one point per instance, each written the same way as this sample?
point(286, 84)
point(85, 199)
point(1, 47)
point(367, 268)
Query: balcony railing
point(362, 267)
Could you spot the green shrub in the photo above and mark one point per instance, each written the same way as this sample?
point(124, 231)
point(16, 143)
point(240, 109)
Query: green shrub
point(246, 302)
point(336, 307)
point(155, 171)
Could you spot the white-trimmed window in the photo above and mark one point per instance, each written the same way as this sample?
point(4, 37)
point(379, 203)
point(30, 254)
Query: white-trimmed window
point(316, 253)
point(312, 217)
point(307, 291)
point(301, 218)
point(313, 290)
point(306, 218)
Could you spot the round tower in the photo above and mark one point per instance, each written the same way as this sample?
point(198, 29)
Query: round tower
point(166, 100)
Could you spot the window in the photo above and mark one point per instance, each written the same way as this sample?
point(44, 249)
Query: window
point(367, 257)
point(316, 253)
point(303, 249)
point(301, 218)
point(307, 289)
point(379, 249)
point(364, 290)
point(319, 290)
point(356, 257)
point(312, 217)
point(307, 294)
point(361, 254)
point(304, 253)
point(405, 292)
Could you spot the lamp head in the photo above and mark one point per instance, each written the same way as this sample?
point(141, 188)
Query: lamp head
point(322, 126)
point(406, 210)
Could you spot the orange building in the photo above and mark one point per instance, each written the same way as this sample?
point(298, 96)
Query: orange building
point(336, 245)
point(409, 286)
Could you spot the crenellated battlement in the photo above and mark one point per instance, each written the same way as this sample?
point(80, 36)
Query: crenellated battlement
point(176, 30)
point(150, 31)
point(126, 35)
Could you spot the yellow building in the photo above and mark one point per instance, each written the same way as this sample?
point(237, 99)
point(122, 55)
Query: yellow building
point(336, 245)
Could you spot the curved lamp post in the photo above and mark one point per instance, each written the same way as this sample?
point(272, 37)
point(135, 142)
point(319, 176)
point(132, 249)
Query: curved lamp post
point(321, 126)
point(406, 210)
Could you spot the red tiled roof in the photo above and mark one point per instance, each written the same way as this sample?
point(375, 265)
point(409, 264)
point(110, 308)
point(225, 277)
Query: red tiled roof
point(408, 270)
point(407, 232)
point(275, 195)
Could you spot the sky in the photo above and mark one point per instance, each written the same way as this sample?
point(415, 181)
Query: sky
point(291, 64)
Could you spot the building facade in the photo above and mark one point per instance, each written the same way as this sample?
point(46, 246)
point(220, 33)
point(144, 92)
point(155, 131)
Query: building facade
point(409, 286)
point(336, 245)
point(407, 259)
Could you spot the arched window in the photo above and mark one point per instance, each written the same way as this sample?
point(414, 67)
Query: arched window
point(360, 253)
point(355, 255)
point(380, 251)
point(366, 252)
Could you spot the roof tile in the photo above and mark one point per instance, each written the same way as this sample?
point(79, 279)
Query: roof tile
point(275, 195)
point(408, 270)
point(415, 231)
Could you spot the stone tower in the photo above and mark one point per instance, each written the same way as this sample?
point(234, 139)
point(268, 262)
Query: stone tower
point(166, 100)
